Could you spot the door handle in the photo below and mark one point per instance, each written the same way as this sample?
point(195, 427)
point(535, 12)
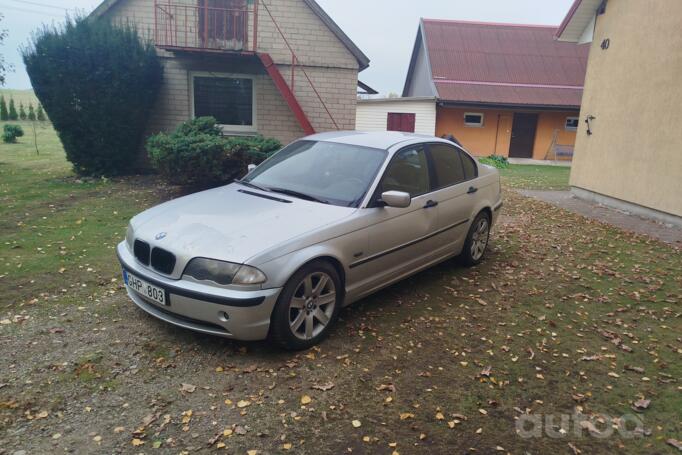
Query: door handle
point(430, 204)
point(472, 190)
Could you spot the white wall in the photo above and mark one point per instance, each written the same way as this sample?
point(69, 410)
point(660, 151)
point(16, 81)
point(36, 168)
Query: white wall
point(372, 115)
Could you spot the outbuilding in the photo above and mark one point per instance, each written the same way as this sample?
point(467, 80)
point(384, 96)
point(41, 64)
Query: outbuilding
point(504, 89)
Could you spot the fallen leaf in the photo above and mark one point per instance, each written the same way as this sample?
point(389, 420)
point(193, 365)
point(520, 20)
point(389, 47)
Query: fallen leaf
point(440, 416)
point(576, 451)
point(305, 399)
point(356, 423)
point(137, 442)
point(674, 443)
point(243, 403)
point(323, 387)
point(641, 405)
point(188, 388)
point(389, 387)
point(406, 415)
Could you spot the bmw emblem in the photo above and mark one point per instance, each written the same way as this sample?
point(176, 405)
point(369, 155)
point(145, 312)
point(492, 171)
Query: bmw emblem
point(161, 236)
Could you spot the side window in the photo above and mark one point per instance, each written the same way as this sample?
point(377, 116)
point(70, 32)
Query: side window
point(470, 168)
point(408, 172)
point(447, 165)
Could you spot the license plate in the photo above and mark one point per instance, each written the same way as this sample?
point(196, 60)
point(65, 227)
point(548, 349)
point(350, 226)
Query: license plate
point(145, 289)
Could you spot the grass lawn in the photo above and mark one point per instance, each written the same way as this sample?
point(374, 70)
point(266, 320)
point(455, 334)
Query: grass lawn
point(58, 232)
point(533, 177)
point(564, 316)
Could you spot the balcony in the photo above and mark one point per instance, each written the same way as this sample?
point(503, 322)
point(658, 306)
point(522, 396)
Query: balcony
point(206, 25)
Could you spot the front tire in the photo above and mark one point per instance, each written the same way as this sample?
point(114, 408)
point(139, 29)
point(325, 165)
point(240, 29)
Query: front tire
point(308, 307)
point(477, 239)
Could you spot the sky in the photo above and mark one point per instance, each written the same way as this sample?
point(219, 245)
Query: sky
point(384, 29)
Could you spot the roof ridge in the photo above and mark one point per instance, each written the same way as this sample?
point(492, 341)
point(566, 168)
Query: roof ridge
point(492, 24)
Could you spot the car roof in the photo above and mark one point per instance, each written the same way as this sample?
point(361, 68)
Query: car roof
point(375, 139)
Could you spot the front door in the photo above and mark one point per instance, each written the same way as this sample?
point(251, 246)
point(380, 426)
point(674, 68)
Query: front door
point(399, 238)
point(523, 135)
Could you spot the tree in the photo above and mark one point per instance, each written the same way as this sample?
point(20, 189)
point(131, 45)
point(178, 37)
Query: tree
point(22, 112)
point(31, 112)
point(4, 67)
point(98, 81)
point(4, 113)
point(13, 115)
point(40, 113)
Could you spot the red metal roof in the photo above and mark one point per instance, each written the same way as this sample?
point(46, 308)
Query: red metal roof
point(504, 64)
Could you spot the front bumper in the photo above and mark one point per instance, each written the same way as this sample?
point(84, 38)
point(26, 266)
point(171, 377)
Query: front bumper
point(241, 315)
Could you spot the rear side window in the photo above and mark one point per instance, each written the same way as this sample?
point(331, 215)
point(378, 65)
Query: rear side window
point(470, 168)
point(447, 165)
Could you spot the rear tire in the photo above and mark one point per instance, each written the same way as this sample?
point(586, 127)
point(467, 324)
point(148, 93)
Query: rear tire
point(307, 308)
point(476, 242)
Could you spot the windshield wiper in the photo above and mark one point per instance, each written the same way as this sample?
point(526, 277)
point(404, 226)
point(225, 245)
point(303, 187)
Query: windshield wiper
point(298, 195)
point(252, 185)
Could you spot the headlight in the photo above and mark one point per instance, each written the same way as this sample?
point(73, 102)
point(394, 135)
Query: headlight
point(223, 272)
point(130, 236)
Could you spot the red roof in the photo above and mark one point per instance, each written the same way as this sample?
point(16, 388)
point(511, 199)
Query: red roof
point(504, 64)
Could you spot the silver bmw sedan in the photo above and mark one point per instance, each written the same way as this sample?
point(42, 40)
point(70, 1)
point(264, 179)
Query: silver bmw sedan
point(324, 222)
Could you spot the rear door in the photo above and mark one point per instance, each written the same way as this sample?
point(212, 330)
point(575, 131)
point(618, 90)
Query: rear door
point(454, 181)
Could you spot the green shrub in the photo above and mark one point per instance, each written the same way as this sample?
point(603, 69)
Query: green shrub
point(13, 114)
point(40, 113)
point(97, 82)
point(10, 133)
point(4, 113)
point(196, 154)
point(22, 112)
point(31, 113)
point(497, 161)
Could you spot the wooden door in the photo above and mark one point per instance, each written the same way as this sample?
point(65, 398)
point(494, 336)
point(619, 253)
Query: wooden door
point(223, 24)
point(523, 135)
point(398, 121)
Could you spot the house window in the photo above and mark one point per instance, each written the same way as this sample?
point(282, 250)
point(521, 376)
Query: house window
point(398, 121)
point(571, 124)
point(228, 98)
point(473, 119)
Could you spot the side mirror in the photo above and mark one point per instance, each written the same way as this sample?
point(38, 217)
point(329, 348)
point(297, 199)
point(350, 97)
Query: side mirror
point(251, 167)
point(398, 199)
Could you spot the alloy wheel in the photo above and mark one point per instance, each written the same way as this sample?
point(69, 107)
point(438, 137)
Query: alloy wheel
point(479, 239)
point(312, 306)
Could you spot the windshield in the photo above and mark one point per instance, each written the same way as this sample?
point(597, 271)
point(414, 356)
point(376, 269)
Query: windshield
point(327, 172)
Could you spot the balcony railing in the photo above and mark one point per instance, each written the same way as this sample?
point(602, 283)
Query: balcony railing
point(213, 25)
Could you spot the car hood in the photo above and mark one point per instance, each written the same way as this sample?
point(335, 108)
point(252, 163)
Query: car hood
point(231, 223)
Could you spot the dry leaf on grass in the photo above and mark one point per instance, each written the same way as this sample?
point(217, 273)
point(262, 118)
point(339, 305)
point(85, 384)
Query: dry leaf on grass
point(188, 388)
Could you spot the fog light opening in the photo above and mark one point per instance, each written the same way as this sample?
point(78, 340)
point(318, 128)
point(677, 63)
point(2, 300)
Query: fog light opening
point(224, 316)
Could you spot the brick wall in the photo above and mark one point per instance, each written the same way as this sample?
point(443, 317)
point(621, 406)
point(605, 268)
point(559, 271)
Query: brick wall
point(331, 67)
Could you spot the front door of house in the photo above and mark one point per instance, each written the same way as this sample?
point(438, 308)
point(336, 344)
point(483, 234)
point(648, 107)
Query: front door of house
point(523, 135)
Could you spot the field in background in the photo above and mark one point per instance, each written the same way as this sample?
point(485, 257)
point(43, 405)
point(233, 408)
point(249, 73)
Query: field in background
point(23, 96)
